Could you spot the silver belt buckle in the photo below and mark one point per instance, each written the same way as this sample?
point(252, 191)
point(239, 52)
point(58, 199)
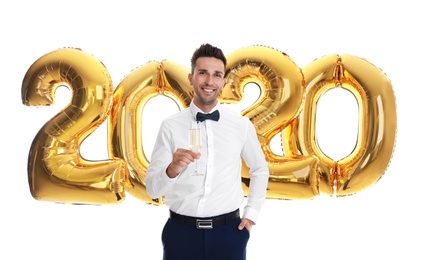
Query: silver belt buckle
point(204, 223)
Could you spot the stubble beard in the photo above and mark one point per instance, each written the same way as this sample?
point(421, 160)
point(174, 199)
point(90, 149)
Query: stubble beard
point(206, 100)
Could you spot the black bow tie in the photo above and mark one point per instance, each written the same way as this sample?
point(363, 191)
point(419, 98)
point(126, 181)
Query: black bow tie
point(213, 116)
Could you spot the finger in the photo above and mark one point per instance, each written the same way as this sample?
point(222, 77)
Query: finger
point(242, 224)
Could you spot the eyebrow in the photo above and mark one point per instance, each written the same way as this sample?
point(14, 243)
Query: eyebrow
point(216, 71)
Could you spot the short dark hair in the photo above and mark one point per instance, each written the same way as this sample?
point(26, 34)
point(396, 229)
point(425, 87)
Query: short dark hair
point(207, 50)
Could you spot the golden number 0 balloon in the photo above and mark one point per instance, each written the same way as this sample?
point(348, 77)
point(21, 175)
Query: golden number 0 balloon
point(125, 124)
point(377, 123)
point(56, 170)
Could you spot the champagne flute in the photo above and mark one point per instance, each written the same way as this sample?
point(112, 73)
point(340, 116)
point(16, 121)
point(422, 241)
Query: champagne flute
point(194, 141)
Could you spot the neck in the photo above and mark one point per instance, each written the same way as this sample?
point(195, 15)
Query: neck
point(205, 107)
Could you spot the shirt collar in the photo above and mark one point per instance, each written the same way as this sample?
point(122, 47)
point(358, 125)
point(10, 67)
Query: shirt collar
point(194, 109)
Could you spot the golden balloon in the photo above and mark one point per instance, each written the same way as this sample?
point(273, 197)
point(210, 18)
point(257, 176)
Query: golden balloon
point(56, 170)
point(286, 106)
point(125, 124)
point(377, 123)
point(282, 88)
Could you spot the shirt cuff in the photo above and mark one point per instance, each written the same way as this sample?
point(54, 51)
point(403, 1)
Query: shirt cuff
point(251, 214)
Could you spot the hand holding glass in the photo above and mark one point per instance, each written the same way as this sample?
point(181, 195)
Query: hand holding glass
point(194, 141)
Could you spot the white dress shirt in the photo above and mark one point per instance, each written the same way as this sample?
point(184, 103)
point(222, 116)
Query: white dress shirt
point(220, 189)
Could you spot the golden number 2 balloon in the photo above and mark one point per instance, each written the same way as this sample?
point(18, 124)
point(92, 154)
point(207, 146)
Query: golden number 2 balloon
point(282, 88)
point(56, 170)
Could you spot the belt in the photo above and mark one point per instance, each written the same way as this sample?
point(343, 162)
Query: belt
point(206, 223)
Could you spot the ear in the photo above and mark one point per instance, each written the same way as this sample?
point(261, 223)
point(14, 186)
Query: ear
point(224, 83)
point(190, 78)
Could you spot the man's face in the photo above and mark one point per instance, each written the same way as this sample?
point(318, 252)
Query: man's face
point(208, 81)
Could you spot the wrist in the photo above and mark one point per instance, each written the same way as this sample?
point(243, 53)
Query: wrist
point(171, 172)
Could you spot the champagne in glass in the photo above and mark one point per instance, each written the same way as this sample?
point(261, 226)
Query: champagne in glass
point(194, 141)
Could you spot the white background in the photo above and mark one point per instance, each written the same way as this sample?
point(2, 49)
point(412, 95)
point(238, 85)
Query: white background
point(386, 220)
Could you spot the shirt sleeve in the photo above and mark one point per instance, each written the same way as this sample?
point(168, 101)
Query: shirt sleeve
point(259, 174)
point(157, 182)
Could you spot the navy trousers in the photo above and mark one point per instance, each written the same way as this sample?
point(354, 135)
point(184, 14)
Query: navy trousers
point(185, 242)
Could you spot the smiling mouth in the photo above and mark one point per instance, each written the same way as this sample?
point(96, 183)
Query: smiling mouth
point(208, 90)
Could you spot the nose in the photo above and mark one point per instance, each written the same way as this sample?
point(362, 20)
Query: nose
point(209, 79)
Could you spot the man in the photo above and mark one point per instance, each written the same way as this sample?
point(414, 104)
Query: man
point(205, 220)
